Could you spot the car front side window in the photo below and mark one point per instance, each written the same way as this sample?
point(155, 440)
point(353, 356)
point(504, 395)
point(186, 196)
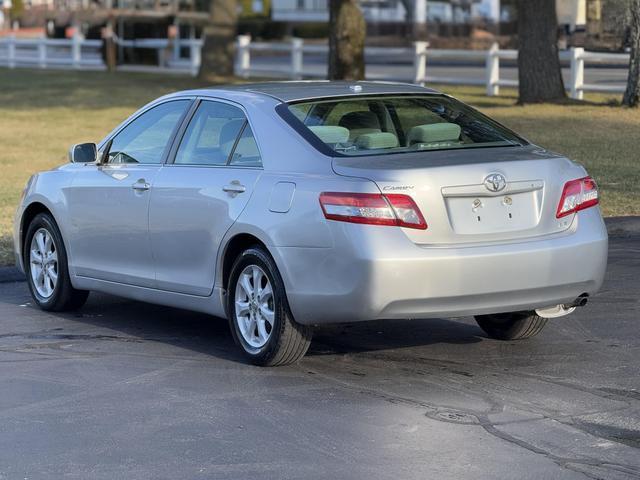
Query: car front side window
point(144, 140)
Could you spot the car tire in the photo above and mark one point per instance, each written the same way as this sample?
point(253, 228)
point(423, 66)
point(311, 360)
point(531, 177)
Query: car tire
point(46, 267)
point(259, 314)
point(511, 326)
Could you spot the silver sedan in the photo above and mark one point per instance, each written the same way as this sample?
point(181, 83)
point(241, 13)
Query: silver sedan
point(284, 205)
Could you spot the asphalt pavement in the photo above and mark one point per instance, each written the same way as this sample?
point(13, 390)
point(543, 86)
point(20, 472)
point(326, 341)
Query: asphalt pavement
point(123, 389)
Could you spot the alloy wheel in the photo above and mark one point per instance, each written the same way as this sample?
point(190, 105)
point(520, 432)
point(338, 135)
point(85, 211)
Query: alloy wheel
point(43, 259)
point(254, 306)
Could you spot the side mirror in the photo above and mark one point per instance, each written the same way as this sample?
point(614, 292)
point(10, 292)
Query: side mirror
point(83, 153)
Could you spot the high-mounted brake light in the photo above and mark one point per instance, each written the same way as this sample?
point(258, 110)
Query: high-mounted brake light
point(577, 195)
point(372, 208)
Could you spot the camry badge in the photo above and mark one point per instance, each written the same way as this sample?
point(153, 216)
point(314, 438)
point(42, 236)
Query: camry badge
point(495, 182)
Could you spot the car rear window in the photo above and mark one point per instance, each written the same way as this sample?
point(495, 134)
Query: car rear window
point(400, 123)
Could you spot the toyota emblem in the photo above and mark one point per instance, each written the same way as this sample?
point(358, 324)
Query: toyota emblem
point(495, 182)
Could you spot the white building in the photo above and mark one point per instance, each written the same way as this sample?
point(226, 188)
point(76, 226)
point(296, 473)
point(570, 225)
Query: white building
point(572, 13)
point(6, 4)
point(38, 3)
point(390, 10)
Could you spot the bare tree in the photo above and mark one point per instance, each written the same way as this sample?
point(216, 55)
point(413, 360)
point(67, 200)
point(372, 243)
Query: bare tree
point(219, 40)
point(631, 96)
point(347, 31)
point(539, 72)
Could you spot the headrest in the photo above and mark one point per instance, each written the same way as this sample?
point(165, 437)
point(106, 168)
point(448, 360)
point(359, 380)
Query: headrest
point(371, 141)
point(363, 119)
point(330, 134)
point(230, 130)
point(434, 132)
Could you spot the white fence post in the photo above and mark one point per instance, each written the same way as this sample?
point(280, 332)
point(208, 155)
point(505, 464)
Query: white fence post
point(493, 70)
point(11, 51)
point(42, 52)
point(420, 62)
point(296, 58)
point(244, 55)
point(76, 55)
point(577, 73)
point(195, 52)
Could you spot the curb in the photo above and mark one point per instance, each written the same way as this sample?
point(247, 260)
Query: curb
point(623, 226)
point(11, 274)
point(616, 226)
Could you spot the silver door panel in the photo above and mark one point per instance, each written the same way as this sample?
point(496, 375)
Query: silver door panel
point(108, 221)
point(191, 209)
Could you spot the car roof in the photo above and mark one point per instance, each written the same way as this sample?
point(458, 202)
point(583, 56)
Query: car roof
point(305, 90)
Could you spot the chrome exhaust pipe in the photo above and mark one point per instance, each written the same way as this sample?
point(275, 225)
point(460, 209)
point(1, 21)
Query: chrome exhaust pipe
point(581, 301)
point(563, 309)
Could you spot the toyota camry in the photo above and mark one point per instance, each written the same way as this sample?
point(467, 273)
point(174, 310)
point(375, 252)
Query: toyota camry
point(284, 205)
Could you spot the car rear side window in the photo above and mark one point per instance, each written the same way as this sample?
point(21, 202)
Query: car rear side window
point(145, 138)
point(400, 123)
point(217, 135)
point(246, 153)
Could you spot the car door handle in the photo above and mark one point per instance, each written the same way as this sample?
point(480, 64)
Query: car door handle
point(141, 185)
point(234, 187)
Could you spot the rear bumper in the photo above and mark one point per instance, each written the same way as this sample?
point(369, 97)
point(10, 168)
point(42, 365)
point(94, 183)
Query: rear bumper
point(381, 275)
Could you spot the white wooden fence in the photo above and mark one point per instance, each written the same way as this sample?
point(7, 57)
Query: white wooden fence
point(576, 56)
point(79, 53)
point(421, 53)
point(42, 52)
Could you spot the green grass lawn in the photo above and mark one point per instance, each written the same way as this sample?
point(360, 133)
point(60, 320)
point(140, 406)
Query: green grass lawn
point(43, 112)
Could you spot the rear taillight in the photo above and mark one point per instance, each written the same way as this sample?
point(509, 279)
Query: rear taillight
point(577, 195)
point(374, 209)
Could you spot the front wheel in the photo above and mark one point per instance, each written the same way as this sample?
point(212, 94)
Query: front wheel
point(259, 315)
point(511, 326)
point(45, 264)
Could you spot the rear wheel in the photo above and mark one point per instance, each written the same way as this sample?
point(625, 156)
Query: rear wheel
point(511, 326)
point(45, 262)
point(259, 315)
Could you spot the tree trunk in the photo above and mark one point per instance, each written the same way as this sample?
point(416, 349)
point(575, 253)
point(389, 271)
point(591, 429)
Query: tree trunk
point(632, 94)
point(347, 31)
point(419, 20)
point(539, 72)
point(110, 48)
point(218, 51)
point(110, 54)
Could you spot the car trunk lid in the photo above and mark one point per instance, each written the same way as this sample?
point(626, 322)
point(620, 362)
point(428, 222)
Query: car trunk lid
point(473, 195)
